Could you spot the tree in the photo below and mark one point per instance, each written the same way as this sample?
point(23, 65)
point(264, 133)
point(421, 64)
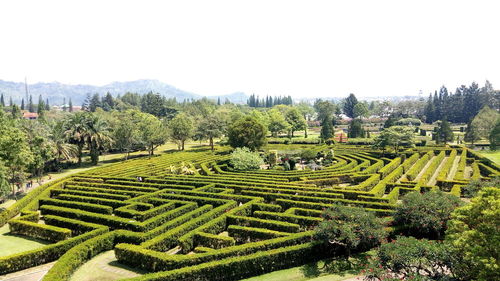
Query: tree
point(247, 132)
point(94, 103)
point(425, 215)
point(242, 159)
point(326, 128)
point(4, 183)
point(181, 129)
point(473, 233)
point(108, 102)
point(14, 151)
point(277, 122)
point(153, 104)
point(22, 104)
point(360, 110)
point(356, 129)
point(2, 101)
point(40, 107)
point(444, 133)
point(482, 124)
point(407, 258)
point(295, 119)
point(31, 107)
point(70, 106)
point(98, 136)
point(391, 121)
point(324, 109)
point(349, 104)
point(495, 136)
point(345, 229)
point(211, 127)
point(75, 131)
point(63, 149)
point(394, 136)
point(153, 132)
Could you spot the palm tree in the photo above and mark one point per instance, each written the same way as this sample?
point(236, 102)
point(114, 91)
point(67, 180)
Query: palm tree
point(63, 149)
point(97, 136)
point(75, 130)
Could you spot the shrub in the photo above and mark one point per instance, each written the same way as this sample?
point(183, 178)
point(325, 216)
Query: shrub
point(425, 215)
point(348, 229)
point(242, 159)
point(473, 233)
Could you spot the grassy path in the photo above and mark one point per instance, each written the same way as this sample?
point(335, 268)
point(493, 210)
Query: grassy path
point(12, 244)
point(453, 169)
point(424, 169)
point(433, 179)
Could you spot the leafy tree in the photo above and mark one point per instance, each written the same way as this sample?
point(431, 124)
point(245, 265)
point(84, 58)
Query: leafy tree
point(153, 133)
point(407, 258)
point(247, 132)
point(94, 103)
point(345, 229)
point(349, 104)
point(495, 136)
point(40, 107)
point(4, 183)
point(356, 129)
point(295, 119)
point(360, 110)
point(326, 128)
point(394, 136)
point(14, 151)
point(324, 109)
point(125, 131)
point(444, 133)
point(16, 112)
point(243, 159)
point(425, 215)
point(181, 129)
point(308, 154)
point(211, 127)
point(277, 122)
point(474, 186)
point(108, 102)
point(473, 233)
point(482, 124)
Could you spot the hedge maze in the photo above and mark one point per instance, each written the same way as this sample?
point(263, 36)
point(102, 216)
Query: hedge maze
point(215, 223)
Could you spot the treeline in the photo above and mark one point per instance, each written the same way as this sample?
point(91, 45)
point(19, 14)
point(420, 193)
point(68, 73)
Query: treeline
point(461, 106)
point(268, 101)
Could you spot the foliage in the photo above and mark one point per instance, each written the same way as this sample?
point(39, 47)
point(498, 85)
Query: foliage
point(308, 154)
point(326, 128)
point(4, 184)
point(242, 159)
point(360, 110)
point(211, 127)
point(247, 132)
point(474, 186)
point(181, 129)
point(408, 122)
point(473, 232)
point(152, 131)
point(346, 228)
point(349, 104)
point(444, 133)
point(407, 258)
point(356, 129)
point(277, 122)
point(495, 136)
point(425, 215)
point(295, 119)
point(395, 136)
point(482, 124)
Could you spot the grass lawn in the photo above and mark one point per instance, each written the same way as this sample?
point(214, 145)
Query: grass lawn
point(104, 267)
point(492, 155)
point(315, 271)
point(12, 244)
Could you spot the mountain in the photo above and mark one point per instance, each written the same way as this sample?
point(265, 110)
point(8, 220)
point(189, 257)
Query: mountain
point(56, 92)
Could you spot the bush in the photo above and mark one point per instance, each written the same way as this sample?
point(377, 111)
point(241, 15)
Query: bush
point(425, 215)
point(345, 229)
point(473, 232)
point(242, 159)
point(410, 259)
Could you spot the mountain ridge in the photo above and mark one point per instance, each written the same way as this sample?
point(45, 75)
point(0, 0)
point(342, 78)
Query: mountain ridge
point(56, 91)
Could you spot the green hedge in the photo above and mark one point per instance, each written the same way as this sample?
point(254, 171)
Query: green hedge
point(244, 234)
point(213, 241)
point(95, 208)
point(40, 231)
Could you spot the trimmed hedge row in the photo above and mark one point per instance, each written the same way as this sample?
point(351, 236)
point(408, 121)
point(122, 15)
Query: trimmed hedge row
point(387, 169)
point(40, 231)
point(244, 234)
point(263, 223)
point(459, 175)
point(431, 169)
point(415, 170)
point(305, 222)
point(95, 208)
point(443, 173)
point(213, 241)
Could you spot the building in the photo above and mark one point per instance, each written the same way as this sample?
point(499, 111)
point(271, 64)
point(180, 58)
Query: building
point(30, 115)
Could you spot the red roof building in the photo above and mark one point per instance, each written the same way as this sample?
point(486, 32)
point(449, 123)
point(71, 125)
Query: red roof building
point(30, 115)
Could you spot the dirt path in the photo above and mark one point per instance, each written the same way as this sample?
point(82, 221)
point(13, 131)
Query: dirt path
point(31, 274)
point(467, 172)
point(453, 169)
point(424, 169)
point(433, 179)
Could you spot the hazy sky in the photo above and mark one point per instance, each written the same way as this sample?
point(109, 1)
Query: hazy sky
point(302, 48)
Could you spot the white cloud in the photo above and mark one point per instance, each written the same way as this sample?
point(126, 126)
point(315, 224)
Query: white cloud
point(303, 48)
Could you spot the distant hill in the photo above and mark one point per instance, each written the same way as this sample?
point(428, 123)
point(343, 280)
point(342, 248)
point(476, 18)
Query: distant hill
point(56, 91)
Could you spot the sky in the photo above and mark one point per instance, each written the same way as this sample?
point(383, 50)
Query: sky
point(299, 48)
